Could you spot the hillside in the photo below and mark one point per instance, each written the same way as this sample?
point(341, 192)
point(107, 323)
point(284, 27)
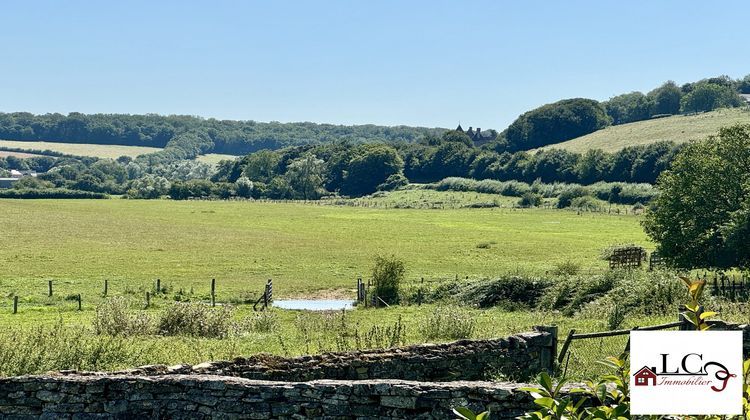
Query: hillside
point(107, 151)
point(677, 128)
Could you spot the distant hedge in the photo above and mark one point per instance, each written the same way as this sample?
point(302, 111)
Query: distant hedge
point(50, 193)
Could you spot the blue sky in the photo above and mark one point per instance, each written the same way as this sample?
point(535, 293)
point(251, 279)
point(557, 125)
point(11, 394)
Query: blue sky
point(427, 63)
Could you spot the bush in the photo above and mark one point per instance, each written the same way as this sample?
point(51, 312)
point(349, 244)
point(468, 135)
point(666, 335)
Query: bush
point(113, 317)
point(510, 292)
point(530, 199)
point(393, 182)
point(50, 193)
point(566, 268)
point(448, 322)
point(261, 322)
point(586, 202)
point(387, 275)
point(196, 319)
point(565, 199)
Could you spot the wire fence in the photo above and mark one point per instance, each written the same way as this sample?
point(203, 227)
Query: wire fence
point(580, 353)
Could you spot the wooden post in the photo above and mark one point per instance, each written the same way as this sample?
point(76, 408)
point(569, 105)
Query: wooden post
point(15, 304)
point(79, 302)
point(158, 285)
point(213, 292)
point(49, 286)
point(106, 287)
point(148, 299)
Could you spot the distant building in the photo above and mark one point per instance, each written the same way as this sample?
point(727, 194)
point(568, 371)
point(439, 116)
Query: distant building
point(746, 97)
point(478, 137)
point(16, 174)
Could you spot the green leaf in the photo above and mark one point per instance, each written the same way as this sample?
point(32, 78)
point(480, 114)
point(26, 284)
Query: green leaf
point(464, 413)
point(708, 314)
point(545, 402)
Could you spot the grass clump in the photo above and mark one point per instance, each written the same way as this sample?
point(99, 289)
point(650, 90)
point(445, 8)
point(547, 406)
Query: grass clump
point(196, 319)
point(114, 317)
point(448, 322)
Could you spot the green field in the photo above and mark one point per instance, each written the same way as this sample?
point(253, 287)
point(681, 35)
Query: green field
point(81, 149)
point(678, 128)
point(108, 151)
point(307, 249)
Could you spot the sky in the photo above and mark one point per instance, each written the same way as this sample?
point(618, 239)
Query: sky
point(427, 63)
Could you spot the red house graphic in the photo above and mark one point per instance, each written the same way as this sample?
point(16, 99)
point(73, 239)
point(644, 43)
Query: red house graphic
point(643, 376)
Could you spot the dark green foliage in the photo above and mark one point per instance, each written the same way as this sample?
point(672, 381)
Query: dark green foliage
point(702, 216)
point(630, 107)
point(387, 275)
point(393, 182)
point(565, 199)
point(230, 137)
point(555, 123)
point(665, 99)
point(370, 166)
point(50, 193)
point(530, 199)
point(511, 292)
point(709, 96)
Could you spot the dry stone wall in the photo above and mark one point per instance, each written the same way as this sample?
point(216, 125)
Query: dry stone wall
point(211, 396)
point(517, 357)
point(422, 382)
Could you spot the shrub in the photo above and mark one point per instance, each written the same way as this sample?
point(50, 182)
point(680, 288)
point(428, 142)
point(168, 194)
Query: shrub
point(387, 275)
point(508, 291)
point(448, 322)
point(393, 182)
point(113, 317)
point(261, 322)
point(565, 199)
point(586, 202)
point(566, 268)
point(196, 319)
point(50, 193)
point(530, 199)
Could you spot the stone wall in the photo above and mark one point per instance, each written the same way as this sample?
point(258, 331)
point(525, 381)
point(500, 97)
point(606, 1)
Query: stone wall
point(211, 396)
point(518, 357)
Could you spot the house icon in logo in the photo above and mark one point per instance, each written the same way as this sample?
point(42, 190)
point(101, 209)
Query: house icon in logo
point(643, 376)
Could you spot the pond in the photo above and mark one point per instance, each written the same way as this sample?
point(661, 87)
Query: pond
point(314, 304)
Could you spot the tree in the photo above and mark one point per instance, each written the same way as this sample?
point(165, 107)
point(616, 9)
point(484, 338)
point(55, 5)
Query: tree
point(709, 96)
point(743, 86)
point(666, 99)
point(629, 107)
point(370, 166)
point(305, 177)
point(261, 166)
point(555, 123)
point(702, 216)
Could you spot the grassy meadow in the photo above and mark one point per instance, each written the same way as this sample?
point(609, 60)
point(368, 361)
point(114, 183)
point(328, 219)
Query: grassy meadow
point(311, 250)
point(107, 151)
point(677, 128)
point(111, 151)
point(308, 249)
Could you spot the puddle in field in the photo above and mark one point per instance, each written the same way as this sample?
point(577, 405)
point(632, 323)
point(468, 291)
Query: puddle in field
point(314, 304)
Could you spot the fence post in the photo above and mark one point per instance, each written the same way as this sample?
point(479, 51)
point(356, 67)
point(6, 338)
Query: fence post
point(49, 285)
point(15, 304)
point(148, 300)
point(79, 302)
point(106, 287)
point(158, 285)
point(213, 292)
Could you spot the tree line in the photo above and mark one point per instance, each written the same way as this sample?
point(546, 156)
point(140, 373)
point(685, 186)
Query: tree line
point(571, 118)
point(341, 168)
point(219, 136)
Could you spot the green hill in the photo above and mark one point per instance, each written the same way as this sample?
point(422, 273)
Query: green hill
point(677, 128)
